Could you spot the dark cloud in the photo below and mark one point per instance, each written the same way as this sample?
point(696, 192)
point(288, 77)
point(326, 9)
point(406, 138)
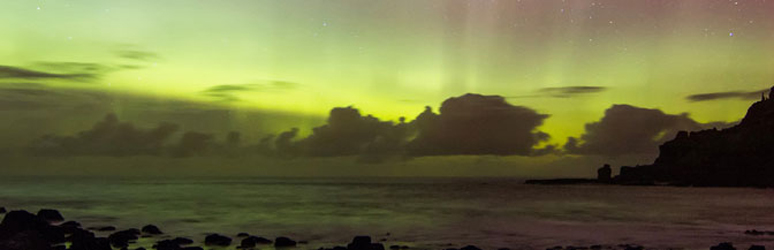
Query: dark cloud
point(477, 125)
point(75, 67)
point(347, 133)
point(229, 88)
point(627, 129)
point(193, 144)
point(32, 96)
point(10, 72)
point(108, 137)
point(564, 92)
point(284, 144)
point(138, 55)
point(230, 92)
point(741, 95)
point(31, 110)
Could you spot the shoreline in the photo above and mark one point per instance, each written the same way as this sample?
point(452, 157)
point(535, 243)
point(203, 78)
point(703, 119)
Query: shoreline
point(48, 230)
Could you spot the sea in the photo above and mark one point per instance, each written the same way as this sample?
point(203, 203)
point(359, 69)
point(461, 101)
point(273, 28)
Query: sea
point(423, 213)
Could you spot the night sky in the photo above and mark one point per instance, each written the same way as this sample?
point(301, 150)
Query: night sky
point(262, 67)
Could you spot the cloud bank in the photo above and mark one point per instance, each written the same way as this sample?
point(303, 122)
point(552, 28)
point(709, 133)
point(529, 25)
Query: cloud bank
point(626, 129)
point(475, 124)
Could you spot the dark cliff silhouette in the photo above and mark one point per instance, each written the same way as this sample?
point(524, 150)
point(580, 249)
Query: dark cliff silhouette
point(742, 155)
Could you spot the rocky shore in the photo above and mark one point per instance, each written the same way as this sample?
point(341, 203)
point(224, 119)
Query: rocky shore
point(48, 230)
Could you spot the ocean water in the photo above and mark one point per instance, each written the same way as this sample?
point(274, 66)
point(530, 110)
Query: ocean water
point(431, 213)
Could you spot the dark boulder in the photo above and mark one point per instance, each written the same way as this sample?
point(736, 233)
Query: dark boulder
point(334, 248)
point(470, 247)
point(26, 240)
point(364, 243)
point(151, 229)
point(2, 210)
point(167, 245)
point(757, 247)
point(243, 234)
point(723, 246)
point(18, 221)
point(50, 215)
point(78, 234)
point(360, 243)
point(284, 242)
point(53, 234)
point(70, 227)
point(182, 241)
point(217, 240)
point(251, 241)
point(248, 242)
point(89, 242)
point(74, 224)
point(122, 238)
point(105, 228)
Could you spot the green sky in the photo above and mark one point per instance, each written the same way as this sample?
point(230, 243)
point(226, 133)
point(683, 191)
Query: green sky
point(392, 58)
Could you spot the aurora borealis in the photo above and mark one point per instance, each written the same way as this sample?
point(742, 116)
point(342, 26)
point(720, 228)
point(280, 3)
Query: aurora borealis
point(296, 60)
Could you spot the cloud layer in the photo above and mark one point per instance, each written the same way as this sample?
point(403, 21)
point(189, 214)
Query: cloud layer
point(741, 95)
point(627, 129)
point(475, 124)
point(108, 137)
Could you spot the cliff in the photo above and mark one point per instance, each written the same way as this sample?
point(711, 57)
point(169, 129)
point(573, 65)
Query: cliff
point(742, 155)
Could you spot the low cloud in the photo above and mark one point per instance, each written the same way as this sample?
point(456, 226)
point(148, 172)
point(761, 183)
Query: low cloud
point(347, 133)
point(138, 55)
point(108, 137)
point(740, 95)
point(193, 144)
point(231, 92)
point(627, 129)
point(17, 73)
point(30, 110)
point(75, 67)
point(571, 91)
point(475, 124)
point(564, 92)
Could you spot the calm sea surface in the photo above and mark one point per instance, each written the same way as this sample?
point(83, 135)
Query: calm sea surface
point(421, 212)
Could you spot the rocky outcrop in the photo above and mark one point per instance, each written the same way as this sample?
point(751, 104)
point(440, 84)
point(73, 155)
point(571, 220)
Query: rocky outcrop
point(604, 173)
point(364, 243)
point(217, 240)
point(284, 242)
point(741, 156)
point(50, 215)
point(123, 238)
point(151, 229)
